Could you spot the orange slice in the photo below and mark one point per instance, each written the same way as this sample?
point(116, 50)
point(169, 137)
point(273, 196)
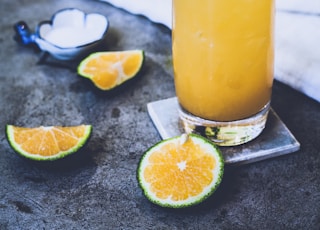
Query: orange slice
point(181, 171)
point(47, 143)
point(110, 69)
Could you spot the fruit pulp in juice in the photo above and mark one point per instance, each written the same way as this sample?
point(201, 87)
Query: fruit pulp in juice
point(223, 56)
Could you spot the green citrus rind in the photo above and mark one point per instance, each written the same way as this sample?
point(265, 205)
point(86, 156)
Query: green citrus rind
point(122, 79)
point(60, 155)
point(209, 190)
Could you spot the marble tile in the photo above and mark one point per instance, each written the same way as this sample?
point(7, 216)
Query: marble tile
point(275, 140)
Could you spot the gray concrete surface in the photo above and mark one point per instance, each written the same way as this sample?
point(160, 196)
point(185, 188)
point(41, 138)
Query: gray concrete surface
point(98, 188)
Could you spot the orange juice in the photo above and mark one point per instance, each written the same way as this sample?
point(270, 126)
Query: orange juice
point(223, 56)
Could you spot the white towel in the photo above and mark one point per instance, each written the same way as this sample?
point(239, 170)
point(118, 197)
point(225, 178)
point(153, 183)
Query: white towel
point(297, 49)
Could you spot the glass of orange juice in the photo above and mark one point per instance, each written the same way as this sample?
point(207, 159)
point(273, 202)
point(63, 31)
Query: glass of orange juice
point(223, 57)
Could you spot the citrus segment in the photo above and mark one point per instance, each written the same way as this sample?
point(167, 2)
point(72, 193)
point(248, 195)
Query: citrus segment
point(47, 143)
point(110, 69)
point(180, 171)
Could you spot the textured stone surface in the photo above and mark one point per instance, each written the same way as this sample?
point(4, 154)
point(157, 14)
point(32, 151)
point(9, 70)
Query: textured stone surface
point(98, 189)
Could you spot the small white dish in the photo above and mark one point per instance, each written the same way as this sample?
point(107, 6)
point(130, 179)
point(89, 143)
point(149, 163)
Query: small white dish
point(69, 34)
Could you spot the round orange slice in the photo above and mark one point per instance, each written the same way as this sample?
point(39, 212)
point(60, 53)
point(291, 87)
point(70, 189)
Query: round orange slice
point(180, 171)
point(110, 69)
point(47, 143)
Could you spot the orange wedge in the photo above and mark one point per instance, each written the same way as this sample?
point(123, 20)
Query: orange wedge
point(47, 143)
point(110, 69)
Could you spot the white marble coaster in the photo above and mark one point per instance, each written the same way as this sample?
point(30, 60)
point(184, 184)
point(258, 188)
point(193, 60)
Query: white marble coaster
point(275, 140)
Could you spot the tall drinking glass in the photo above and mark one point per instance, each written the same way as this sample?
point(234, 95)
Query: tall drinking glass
point(223, 57)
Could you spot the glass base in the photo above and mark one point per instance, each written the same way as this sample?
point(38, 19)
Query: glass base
point(229, 133)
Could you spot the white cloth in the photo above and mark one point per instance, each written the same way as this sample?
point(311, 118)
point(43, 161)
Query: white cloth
point(297, 49)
